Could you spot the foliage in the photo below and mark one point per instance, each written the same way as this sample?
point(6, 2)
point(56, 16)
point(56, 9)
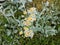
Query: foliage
point(18, 21)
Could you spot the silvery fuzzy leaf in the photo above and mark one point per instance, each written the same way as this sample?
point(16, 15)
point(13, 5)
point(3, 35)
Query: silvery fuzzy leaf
point(5, 25)
point(2, 0)
point(30, 0)
point(15, 1)
point(8, 14)
point(1, 7)
point(11, 20)
point(21, 7)
point(11, 0)
point(8, 32)
point(35, 28)
point(50, 32)
point(59, 29)
point(23, 2)
point(21, 23)
point(47, 27)
point(15, 31)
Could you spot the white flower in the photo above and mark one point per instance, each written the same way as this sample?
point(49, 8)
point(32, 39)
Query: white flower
point(27, 23)
point(21, 32)
point(47, 3)
point(32, 10)
point(26, 28)
point(31, 18)
point(25, 12)
point(28, 33)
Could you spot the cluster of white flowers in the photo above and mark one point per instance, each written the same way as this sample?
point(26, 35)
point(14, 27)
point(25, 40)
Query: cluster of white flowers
point(27, 32)
point(28, 21)
point(31, 16)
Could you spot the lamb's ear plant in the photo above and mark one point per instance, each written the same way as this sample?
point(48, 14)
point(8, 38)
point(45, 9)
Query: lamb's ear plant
point(17, 21)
